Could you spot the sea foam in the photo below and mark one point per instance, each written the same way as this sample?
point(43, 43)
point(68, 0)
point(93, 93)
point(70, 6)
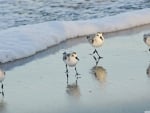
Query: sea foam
point(24, 41)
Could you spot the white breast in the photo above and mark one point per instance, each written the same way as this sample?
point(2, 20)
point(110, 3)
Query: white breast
point(71, 61)
point(97, 42)
point(148, 41)
point(2, 75)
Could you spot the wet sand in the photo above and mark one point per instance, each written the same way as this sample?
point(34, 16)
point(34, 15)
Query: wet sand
point(120, 83)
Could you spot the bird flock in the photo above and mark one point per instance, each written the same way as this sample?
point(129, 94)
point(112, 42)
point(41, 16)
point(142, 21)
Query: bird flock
point(71, 58)
point(95, 41)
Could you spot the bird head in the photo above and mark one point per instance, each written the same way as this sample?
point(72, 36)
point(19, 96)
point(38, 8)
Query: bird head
point(74, 54)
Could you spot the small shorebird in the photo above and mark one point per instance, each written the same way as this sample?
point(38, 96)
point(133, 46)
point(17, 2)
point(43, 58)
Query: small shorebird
point(2, 77)
point(147, 39)
point(70, 60)
point(96, 41)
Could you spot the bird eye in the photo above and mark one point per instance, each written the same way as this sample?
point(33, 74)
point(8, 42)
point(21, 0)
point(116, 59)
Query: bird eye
point(101, 37)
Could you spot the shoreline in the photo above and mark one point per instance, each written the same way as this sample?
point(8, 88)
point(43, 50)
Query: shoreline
point(73, 41)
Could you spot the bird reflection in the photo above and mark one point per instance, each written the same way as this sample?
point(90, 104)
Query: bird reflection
point(148, 71)
point(2, 105)
point(73, 90)
point(99, 73)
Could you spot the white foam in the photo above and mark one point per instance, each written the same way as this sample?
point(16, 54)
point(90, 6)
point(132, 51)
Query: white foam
point(23, 41)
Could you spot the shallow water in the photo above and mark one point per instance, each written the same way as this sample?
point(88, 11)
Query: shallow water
point(22, 12)
point(118, 84)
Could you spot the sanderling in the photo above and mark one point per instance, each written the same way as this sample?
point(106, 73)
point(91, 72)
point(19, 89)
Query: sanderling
point(70, 60)
point(2, 77)
point(96, 42)
point(147, 39)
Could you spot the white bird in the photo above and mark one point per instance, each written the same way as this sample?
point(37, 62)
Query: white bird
point(2, 77)
point(70, 59)
point(96, 41)
point(147, 39)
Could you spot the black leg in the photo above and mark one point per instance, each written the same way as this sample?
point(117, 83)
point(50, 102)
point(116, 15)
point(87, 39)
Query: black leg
point(76, 82)
point(76, 75)
point(2, 93)
point(95, 58)
point(67, 77)
point(97, 61)
point(2, 86)
point(66, 68)
point(67, 73)
point(93, 52)
point(98, 54)
point(76, 71)
point(149, 49)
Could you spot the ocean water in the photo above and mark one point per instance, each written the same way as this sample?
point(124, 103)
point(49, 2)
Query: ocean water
point(21, 12)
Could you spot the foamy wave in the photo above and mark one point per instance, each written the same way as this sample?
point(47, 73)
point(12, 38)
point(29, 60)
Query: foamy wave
point(24, 41)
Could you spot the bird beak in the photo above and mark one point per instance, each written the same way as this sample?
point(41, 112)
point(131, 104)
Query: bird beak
point(88, 37)
point(77, 58)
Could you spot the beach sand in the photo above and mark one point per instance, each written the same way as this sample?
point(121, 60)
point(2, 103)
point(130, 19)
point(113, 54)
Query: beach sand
point(118, 84)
